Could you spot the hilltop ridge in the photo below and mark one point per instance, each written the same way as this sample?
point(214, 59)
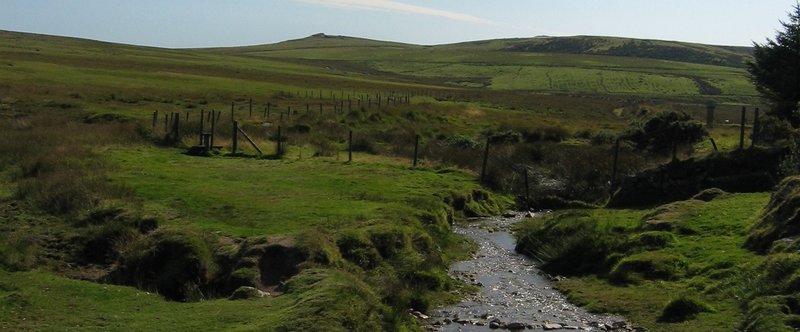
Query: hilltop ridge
point(729, 56)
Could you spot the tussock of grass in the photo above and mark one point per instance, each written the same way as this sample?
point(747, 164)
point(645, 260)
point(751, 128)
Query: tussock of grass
point(650, 266)
point(683, 308)
point(779, 219)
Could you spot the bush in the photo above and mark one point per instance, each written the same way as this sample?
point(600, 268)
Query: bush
point(61, 192)
point(462, 142)
point(430, 280)
point(504, 137)
point(603, 137)
point(19, 250)
point(323, 147)
point(390, 241)
point(683, 308)
point(547, 134)
point(358, 249)
point(772, 129)
point(653, 240)
point(320, 247)
point(659, 132)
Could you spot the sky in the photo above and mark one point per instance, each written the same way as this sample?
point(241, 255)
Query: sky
point(216, 23)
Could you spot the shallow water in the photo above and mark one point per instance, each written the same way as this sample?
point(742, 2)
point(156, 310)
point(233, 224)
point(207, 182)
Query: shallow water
point(513, 290)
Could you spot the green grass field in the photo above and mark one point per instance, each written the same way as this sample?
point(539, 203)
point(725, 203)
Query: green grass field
point(269, 197)
point(377, 228)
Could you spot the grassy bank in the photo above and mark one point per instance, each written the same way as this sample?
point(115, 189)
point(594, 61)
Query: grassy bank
point(636, 262)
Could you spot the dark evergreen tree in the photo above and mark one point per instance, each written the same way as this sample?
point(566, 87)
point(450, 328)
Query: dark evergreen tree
point(775, 70)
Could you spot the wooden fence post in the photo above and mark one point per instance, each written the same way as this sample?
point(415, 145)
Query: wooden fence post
point(710, 107)
point(235, 137)
point(233, 117)
point(247, 137)
point(155, 119)
point(176, 127)
point(202, 124)
point(614, 166)
point(279, 151)
point(714, 144)
point(756, 128)
point(350, 147)
point(485, 160)
point(416, 148)
point(741, 130)
point(214, 119)
point(166, 123)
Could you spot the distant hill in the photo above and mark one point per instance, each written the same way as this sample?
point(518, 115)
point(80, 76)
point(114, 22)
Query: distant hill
point(730, 56)
point(641, 48)
point(579, 65)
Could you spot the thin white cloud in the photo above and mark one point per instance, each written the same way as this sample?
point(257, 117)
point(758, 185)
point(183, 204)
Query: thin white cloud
point(397, 6)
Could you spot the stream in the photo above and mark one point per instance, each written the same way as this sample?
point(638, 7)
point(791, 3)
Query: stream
point(514, 293)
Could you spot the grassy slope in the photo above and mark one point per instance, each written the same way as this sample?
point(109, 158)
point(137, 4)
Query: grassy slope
point(41, 62)
point(714, 254)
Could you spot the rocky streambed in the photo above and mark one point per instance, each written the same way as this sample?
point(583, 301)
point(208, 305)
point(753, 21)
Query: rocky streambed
point(515, 294)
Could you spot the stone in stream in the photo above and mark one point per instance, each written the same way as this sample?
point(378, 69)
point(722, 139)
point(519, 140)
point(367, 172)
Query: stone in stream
point(419, 315)
point(551, 326)
point(515, 326)
point(496, 325)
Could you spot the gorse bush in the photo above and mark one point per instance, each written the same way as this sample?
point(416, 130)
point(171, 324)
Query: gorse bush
point(659, 132)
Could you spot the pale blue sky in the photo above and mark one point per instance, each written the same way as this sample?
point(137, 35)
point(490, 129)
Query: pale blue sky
point(205, 23)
